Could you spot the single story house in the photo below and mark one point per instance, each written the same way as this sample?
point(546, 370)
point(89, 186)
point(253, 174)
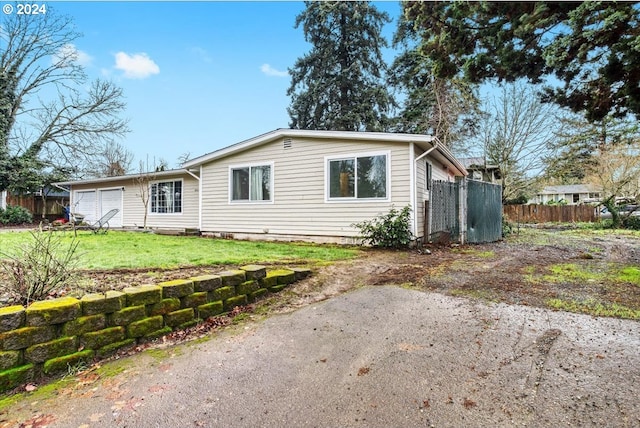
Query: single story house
point(169, 198)
point(572, 194)
point(287, 184)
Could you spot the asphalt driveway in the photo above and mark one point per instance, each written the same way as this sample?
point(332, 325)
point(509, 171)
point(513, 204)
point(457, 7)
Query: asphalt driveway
point(375, 357)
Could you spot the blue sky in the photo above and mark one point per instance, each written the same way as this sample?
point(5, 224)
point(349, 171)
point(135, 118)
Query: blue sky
point(197, 76)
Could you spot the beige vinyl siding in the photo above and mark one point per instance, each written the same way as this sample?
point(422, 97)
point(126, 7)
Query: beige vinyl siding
point(438, 172)
point(298, 205)
point(133, 207)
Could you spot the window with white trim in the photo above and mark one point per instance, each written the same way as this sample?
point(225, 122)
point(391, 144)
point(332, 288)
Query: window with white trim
point(358, 177)
point(251, 183)
point(166, 197)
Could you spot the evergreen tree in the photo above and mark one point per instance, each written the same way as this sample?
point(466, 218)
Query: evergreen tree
point(447, 108)
point(590, 48)
point(339, 84)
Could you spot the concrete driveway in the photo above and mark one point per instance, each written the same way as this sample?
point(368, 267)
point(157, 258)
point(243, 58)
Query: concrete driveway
point(376, 357)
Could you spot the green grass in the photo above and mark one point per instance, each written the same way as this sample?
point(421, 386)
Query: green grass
point(595, 308)
point(144, 250)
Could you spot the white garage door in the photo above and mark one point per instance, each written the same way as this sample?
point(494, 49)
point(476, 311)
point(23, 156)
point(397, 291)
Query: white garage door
point(85, 203)
point(110, 199)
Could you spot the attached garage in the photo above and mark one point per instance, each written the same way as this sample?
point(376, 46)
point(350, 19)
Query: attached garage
point(84, 202)
point(94, 204)
point(110, 199)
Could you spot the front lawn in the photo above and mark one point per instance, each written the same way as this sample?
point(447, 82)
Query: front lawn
point(119, 249)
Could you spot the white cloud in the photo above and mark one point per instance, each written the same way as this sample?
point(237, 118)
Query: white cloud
point(136, 66)
point(69, 53)
point(270, 71)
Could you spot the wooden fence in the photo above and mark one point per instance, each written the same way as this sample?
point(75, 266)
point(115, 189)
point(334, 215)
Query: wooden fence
point(51, 208)
point(550, 213)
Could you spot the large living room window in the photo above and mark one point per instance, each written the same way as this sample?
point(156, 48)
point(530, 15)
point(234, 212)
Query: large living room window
point(358, 177)
point(251, 183)
point(166, 197)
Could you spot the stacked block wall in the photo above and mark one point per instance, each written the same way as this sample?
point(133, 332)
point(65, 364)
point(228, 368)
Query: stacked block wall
point(51, 336)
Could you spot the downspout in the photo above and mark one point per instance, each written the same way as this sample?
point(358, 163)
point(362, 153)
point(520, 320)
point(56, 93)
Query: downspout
point(414, 193)
point(200, 201)
point(413, 197)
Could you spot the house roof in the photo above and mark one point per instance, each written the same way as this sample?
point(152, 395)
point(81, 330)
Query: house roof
point(568, 188)
point(424, 141)
point(159, 174)
point(481, 162)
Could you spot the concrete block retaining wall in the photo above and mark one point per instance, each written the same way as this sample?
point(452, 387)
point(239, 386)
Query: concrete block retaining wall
point(52, 335)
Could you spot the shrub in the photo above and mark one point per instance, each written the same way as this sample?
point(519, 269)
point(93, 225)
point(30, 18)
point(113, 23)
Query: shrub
point(42, 267)
point(15, 215)
point(507, 227)
point(631, 222)
point(391, 230)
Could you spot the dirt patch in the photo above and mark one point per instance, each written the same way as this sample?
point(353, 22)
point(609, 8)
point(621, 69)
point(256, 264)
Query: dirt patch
point(527, 268)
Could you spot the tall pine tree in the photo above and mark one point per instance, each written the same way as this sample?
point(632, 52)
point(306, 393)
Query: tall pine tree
point(447, 108)
point(339, 84)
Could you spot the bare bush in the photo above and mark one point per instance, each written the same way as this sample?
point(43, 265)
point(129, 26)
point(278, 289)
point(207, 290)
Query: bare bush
point(43, 267)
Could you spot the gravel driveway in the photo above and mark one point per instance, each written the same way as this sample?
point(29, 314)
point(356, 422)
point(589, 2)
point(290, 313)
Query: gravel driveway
point(374, 357)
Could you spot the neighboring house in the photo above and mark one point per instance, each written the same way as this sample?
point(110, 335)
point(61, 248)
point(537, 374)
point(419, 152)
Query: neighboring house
point(480, 170)
point(172, 199)
point(286, 184)
point(572, 194)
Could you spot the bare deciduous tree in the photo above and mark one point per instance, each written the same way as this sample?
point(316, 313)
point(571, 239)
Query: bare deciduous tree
point(50, 115)
point(616, 170)
point(515, 135)
point(114, 159)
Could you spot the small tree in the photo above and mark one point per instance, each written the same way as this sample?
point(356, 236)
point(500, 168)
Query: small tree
point(41, 268)
point(391, 230)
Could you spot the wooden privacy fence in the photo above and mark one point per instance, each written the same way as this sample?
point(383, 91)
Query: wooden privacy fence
point(550, 213)
point(51, 208)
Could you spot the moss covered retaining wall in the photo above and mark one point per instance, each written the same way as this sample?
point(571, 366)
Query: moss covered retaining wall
point(52, 335)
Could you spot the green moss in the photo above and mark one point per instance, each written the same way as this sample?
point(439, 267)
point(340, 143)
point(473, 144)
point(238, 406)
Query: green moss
point(10, 359)
point(257, 295)
point(174, 319)
point(210, 309)
point(127, 315)
point(157, 333)
point(206, 282)
point(112, 348)
point(194, 300)
point(254, 271)
point(106, 303)
point(283, 276)
point(62, 364)
point(84, 325)
point(100, 339)
point(232, 302)
point(143, 295)
point(176, 288)
point(222, 293)
point(145, 326)
point(277, 288)
point(247, 287)
point(164, 306)
point(25, 337)
point(595, 308)
point(50, 312)
point(56, 348)
point(232, 277)
point(268, 281)
point(12, 378)
point(629, 274)
point(11, 317)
